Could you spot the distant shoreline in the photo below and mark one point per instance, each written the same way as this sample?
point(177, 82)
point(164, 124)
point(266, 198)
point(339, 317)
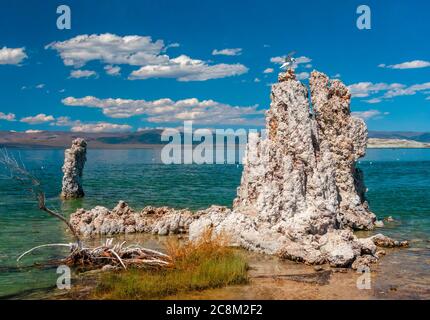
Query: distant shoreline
point(158, 146)
point(150, 139)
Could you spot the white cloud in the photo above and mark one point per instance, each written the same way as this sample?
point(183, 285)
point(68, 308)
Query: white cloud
point(257, 80)
point(268, 70)
point(101, 127)
point(228, 52)
point(302, 76)
point(169, 111)
point(33, 131)
point(112, 70)
point(140, 51)
point(374, 100)
point(76, 74)
point(369, 114)
point(12, 56)
point(110, 49)
point(40, 86)
point(364, 89)
point(409, 91)
point(65, 122)
point(38, 119)
point(172, 45)
point(184, 68)
point(337, 76)
point(79, 126)
point(415, 64)
point(7, 117)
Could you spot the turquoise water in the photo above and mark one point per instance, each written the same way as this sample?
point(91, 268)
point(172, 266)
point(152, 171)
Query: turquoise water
point(398, 183)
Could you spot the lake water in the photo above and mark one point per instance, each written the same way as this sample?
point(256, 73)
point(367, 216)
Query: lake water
point(398, 181)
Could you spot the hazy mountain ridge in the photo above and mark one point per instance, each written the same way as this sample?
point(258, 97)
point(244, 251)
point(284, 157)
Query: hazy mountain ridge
point(147, 138)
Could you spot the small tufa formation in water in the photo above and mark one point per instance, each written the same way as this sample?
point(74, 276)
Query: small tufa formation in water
point(74, 161)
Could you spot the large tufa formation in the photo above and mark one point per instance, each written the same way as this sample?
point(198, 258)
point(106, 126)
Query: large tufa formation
point(307, 164)
point(301, 195)
point(74, 161)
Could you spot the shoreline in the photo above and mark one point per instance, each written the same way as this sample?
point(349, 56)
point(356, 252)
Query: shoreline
point(271, 278)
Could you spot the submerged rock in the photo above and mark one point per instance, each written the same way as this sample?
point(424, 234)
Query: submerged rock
point(74, 161)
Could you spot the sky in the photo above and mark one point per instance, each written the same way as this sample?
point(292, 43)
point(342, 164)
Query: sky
point(132, 65)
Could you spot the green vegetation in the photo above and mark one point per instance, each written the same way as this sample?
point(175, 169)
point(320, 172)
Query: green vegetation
point(204, 264)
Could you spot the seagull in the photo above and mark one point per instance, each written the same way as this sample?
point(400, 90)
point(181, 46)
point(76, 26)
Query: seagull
point(289, 60)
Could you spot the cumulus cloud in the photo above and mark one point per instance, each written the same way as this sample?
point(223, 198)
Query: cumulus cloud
point(110, 49)
point(184, 68)
point(76, 74)
point(112, 70)
point(101, 127)
point(409, 91)
point(374, 100)
point(364, 89)
point(169, 111)
point(65, 122)
point(387, 91)
point(415, 64)
point(33, 131)
point(38, 119)
point(79, 126)
point(13, 56)
point(369, 114)
point(7, 117)
point(302, 76)
point(227, 52)
point(268, 70)
point(140, 51)
point(40, 86)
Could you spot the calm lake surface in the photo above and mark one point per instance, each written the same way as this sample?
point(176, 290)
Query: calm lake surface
point(398, 182)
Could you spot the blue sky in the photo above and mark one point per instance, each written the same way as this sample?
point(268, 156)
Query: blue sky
point(126, 65)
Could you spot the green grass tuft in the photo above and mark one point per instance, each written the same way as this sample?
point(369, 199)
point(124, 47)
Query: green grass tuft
point(205, 264)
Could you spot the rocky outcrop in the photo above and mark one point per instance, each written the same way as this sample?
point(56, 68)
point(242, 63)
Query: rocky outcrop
point(123, 219)
point(301, 195)
point(74, 161)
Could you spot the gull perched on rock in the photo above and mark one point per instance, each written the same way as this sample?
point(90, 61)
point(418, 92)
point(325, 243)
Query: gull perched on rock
point(289, 61)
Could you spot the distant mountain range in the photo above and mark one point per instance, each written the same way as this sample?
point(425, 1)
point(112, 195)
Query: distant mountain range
point(147, 138)
point(415, 136)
